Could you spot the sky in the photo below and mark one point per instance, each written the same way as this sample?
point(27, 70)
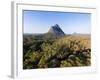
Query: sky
point(69, 22)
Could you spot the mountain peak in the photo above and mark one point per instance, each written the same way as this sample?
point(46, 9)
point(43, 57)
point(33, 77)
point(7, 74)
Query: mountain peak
point(56, 30)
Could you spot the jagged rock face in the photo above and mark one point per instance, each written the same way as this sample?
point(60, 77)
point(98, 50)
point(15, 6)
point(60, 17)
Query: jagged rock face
point(56, 30)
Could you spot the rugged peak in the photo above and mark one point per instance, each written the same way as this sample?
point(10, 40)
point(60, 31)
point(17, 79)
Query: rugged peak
point(56, 25)
point(56, 30)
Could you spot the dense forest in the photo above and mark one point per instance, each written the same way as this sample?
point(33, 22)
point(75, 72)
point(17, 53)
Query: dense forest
point(66, 51)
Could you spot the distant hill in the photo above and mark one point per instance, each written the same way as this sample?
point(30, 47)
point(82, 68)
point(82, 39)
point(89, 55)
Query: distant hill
point(56, 30)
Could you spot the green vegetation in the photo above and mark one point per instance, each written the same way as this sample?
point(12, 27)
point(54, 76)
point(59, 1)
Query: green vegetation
point(67, 51)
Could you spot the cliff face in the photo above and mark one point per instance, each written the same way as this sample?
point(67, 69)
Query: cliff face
point(53, 33)
point(56, 30)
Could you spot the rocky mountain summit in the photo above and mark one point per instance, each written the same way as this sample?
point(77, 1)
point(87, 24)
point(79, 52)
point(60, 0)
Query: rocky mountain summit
point(56, 30)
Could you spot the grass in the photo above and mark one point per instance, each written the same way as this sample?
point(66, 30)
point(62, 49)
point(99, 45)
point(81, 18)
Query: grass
point(67, 51)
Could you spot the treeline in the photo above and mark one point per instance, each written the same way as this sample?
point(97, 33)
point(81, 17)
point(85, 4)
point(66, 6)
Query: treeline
point(51, 53)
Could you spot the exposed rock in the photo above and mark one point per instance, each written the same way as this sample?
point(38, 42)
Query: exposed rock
point(56, 30)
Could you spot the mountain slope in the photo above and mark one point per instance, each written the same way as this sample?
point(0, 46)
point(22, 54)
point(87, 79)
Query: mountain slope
point(56, 30)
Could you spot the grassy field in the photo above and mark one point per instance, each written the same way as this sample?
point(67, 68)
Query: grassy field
point(67, 51)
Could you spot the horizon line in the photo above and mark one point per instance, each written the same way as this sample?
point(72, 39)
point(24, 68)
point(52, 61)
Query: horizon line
point(65, 33)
